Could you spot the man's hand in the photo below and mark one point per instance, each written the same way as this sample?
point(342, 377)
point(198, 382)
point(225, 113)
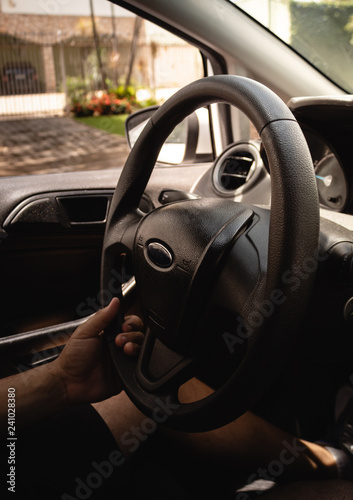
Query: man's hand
point(81, 374)
point(84, 365)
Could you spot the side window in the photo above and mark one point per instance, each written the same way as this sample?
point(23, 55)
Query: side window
point(93, 67)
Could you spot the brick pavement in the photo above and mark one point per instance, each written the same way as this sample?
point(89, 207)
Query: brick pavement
point(57, 144)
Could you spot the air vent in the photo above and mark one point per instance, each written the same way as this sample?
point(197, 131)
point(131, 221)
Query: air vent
point(234, 168)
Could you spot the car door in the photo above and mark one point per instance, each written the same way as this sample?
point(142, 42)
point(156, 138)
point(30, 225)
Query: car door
point(58, 178)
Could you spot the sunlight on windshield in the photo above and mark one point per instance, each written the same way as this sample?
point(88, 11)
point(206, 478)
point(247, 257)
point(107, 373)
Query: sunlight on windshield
point(321, 31)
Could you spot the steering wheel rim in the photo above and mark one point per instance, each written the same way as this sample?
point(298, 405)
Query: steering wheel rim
point(294, 218)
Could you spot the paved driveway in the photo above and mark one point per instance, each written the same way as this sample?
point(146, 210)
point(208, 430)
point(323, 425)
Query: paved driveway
point(57, 144)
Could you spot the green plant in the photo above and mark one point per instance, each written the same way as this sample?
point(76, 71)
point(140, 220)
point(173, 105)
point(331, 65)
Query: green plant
point(121, 91)
point(118, 101)
point(77, 88)
point(148, 102)
point(81, 110)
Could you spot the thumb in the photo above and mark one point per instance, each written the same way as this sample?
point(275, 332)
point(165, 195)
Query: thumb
point(94, 325)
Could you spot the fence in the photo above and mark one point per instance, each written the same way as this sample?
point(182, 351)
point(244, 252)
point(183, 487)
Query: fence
point(38, 72)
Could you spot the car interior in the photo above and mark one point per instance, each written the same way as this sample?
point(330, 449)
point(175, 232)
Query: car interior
point(238, 254)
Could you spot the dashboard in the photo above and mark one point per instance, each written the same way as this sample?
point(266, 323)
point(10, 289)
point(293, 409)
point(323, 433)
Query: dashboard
point(241, 171)
point(327, 123)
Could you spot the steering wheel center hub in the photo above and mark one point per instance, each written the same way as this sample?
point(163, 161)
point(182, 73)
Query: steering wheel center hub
point(179, 248)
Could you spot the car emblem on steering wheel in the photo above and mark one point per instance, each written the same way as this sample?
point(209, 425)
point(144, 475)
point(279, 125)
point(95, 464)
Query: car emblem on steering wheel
point(159, 254)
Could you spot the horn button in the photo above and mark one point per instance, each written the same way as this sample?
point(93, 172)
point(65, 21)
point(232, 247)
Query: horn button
point(178, 251)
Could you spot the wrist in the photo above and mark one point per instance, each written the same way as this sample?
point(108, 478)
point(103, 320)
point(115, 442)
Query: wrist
point(58, 383)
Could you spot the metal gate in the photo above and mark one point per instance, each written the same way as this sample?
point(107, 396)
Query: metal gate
point(28, 84)
point(38, 72)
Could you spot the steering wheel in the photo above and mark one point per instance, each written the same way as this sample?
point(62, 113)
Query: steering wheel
point(222, 286)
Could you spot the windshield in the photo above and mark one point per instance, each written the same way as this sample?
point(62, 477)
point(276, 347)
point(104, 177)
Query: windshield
point(321, 31)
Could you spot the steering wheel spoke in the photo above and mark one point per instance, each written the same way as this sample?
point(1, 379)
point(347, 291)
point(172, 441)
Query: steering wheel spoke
point(160, 368)
point(117, 273)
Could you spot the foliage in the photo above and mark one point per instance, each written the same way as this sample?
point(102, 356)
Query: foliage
point(130, 93)
point(83, 103)
point(118, 100)
point(148, 102)
point(121, 92)
point(99, 103)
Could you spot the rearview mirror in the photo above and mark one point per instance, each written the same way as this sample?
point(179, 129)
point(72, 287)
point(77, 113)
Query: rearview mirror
point(190, 141)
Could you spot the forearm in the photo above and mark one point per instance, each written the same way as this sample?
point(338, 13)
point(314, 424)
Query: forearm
point(124, 421)
point(36, 394)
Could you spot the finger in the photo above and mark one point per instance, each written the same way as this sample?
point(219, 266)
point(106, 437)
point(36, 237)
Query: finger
point(123, 338)
point(94, 325)
point(131, 349)
point(132, 323)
